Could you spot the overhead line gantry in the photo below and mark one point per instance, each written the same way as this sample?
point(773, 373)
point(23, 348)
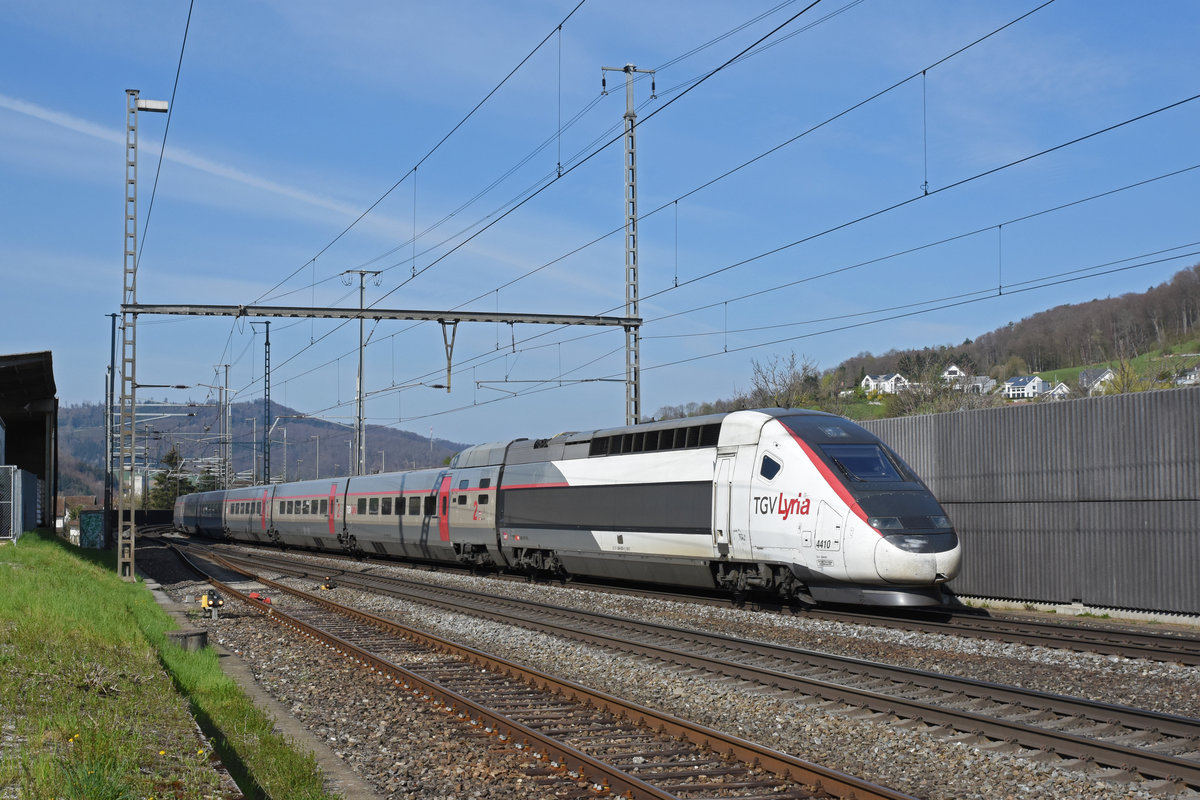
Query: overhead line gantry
point(447, 319)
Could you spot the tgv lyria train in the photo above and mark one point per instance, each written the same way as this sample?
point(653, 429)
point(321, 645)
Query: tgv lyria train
point(800, 504)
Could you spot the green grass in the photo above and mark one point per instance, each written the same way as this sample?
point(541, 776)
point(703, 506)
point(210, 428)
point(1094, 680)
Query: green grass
point(862, 409)
point(96, 704)
point(1148, 365)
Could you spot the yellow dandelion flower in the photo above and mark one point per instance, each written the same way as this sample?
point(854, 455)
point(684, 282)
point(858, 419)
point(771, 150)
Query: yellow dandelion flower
point(161, 753)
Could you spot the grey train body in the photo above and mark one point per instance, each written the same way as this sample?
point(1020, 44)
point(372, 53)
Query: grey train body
point(798, 504)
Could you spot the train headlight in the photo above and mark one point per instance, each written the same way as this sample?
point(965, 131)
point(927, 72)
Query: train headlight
point(884, 523)
point(940, 522)
point(910, 544)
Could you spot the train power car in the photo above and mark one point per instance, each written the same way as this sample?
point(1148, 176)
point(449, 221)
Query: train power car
point(798, 504)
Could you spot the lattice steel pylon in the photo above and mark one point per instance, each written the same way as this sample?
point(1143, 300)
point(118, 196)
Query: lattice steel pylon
point(633, 370)
point(126, 464)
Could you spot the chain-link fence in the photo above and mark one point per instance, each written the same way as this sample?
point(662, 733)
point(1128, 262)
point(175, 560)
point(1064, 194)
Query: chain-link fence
point(10, 507)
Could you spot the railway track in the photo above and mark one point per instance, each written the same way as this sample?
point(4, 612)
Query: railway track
point(1082, 733)
point(1106, 640)
point(1093, 637)
point(604, 744)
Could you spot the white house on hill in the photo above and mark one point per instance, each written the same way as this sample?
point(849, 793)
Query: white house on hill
point(954, 374)
point(1095, 381)
point(885, 384)
point(1060, 391)
point(1024, 387)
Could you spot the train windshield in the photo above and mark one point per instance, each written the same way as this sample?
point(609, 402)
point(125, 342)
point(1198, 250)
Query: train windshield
point(862, 462)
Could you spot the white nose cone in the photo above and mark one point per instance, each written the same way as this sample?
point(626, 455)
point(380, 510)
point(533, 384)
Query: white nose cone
point(898, 566)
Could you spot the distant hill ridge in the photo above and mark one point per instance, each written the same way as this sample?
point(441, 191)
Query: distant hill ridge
point(1060, 338)
point(193, 430)
point(1149, 335)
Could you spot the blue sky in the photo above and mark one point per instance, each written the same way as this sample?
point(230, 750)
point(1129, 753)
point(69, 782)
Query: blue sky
point(292, 118)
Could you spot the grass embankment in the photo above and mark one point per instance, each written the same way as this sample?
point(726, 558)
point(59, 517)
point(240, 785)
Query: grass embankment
point(90, 692)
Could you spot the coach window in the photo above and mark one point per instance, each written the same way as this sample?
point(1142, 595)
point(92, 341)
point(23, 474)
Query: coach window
point(414, 506)
point(431, 506)
point(769, 468)
point(375, 506)
point(464, 483)
point(324, 507)
point(362, 505)
point(483, 499)
point(399, 506)
point(485, 483)
point(385, 506)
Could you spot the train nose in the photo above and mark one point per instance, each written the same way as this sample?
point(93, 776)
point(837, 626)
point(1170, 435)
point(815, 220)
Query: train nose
point(900, 566)
point(918, 557)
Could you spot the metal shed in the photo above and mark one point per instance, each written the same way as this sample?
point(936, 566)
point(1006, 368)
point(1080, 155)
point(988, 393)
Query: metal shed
point(29, 412)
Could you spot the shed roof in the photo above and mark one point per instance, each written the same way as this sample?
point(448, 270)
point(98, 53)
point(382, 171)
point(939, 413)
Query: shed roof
point(27, 387)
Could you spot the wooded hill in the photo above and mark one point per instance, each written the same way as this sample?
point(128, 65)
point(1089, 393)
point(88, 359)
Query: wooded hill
point(192, 431)
point(1095, 332)
point(1113, 331)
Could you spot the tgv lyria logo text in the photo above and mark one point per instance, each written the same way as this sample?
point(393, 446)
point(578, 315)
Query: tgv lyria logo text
point(783, 506)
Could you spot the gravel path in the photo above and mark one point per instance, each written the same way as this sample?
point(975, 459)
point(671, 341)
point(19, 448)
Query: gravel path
point(407, 750)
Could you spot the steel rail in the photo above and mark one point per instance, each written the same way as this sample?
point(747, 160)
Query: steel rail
point(1063, 743)
point(1104, 640)
point(823, 779)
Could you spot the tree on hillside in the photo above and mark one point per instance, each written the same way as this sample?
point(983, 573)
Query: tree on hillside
point(779, 383)
point(929, 393)
point(170, 483)
point(1127, 379)
point(1011, 368)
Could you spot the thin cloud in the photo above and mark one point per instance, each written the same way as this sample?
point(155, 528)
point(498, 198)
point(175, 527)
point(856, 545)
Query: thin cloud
point(176, 155)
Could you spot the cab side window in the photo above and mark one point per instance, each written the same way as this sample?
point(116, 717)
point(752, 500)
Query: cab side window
point(769, 467)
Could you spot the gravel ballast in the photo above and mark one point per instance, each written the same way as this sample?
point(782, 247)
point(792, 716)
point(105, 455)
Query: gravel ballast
point(405, 749)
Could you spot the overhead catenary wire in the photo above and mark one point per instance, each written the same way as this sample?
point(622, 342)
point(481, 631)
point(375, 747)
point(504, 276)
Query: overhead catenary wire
point(969, 298)
point(745, 164)
point(1031, 156)
point(530, 194)
point(166, 129)
point(956, 184)
point(925, 194)
point(432, 150)
point(412, 171)
point(583, 152)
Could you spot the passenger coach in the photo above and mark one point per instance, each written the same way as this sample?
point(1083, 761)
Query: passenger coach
point(798, 504)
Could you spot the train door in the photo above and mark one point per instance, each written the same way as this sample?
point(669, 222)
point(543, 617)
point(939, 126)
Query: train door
point(333, 508)
point(722, 490)
point(731, 512)
point(827, 541)
point(444, 509)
